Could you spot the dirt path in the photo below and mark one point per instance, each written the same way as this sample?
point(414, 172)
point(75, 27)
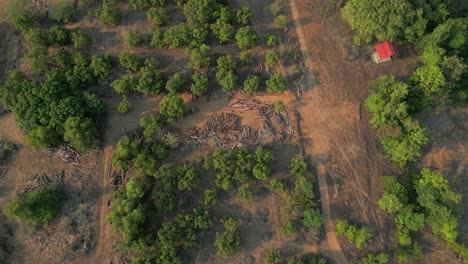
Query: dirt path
point(103, 233)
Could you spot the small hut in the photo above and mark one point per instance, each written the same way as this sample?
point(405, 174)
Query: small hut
point(384, 51)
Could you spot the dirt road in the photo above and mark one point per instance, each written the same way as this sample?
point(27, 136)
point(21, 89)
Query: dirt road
point(336, 136)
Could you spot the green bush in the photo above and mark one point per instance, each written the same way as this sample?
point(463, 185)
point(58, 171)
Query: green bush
point(172, 107)
point(271, 40)
point(80, 39)
point(41, 137)
point(228, 242)
point(177, 36)
point(359, 236)
point(246, 37)
point(245, 193)
point(38, 207)
point(381, 258)
point(227, 80)
point(276, 185)
point(252, 84)
point(200, 84)
point(243, 16)
point(188, 178)
point(279, 106)
point(125, 152)
point(246, 56)
point(209, 197)
point(39, 56)
point(281, 21)
point(157, 16)
point(200, 12)
point(288, 228)
point(151, 125)
point(276, 83)
point(156, 39)
point(59, 36)
point(130, 61)
point(125, 106)
point(134, 38)
point(223, 31)
point(23, 23)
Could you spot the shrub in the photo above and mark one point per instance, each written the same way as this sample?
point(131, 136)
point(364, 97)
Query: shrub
point(200, 12)
point(227, 63)
point(200, 84)
point(276, 83)
point(176, 83)
point(80, 133)
point(279, 106)
point(129, 61)
point(381, 258)
point(177, 36)
point(64, 12)
point(246, 56)
point(272, 58)
point(188, 178)
point(288, 228)
point(124, 153)
point(134, 38)
point(157, 16)
point(252, 84)
point(223, 31)
point(38, 207)
point(271, 40)
point(228, 242)
point(41, 137)
point(172, 107)
point(125, 106)
point(272, 256)
point(245, 193)
point(80, 39)
point(281, 21)
point(227, 80)
point(209, 197)
point(360, 236)
point(23, 23)
point(243, 16)
point(39, 57)
point(246, 37)
point(276, 185)
point(101, 66)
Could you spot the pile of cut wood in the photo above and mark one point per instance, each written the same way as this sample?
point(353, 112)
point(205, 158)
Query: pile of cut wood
point(64, 152)
point(225, 129)
point(39, 180)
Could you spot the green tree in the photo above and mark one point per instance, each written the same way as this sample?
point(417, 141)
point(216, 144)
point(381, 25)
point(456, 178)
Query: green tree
point(109, 14)
point(227, 80)
point(80, 133)
point(39, 58)
point(271, 40)
point(156, 39)
point(80, 39)
point(272, 58)
point(200, 12)
point(252, 84)
point(125, 152)
point(246, 56)
point(403, 20)
point(246, 37)
point(243, 16)
point(199, 57)
point(223, 31)
point(64, 11)
point(125, 84)
point(134, 38)
point(157, 16)
point(395, 195)
point(381, 258)
point(245, 193)
point(172, 107)
point(189, 178)
point(359, 236)
point(23, 23)
point(209, 197)
point(130, 61)
point(200, 84)
point(228, 242)
point(38, 207)
point(288, 228)
point(276, 83)
point(101, 66)
point(59, 36)
point(312, 218)
point(176, 83)
point(177, 36)
point(151, 125)
point(387, 101)
point(151, 79)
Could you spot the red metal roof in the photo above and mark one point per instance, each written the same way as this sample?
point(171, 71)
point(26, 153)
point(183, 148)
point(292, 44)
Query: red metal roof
point(385, 50)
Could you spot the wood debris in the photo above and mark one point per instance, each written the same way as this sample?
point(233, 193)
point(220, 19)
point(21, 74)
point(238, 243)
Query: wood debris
point(118, 178)
point(64, 152)
point(41, 179)
point(225, 129)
